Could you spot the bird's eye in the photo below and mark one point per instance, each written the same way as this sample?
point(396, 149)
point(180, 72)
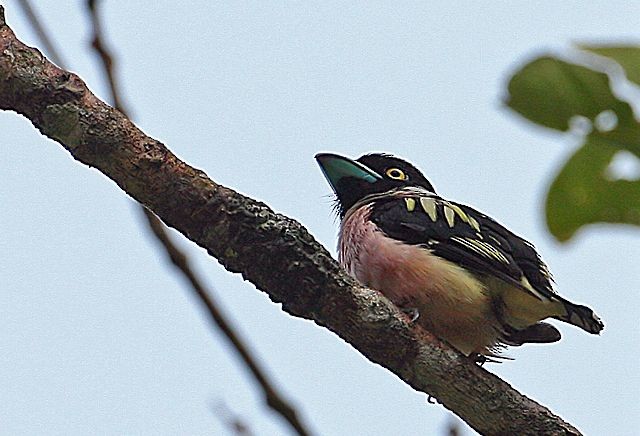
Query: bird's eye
point(396, 174)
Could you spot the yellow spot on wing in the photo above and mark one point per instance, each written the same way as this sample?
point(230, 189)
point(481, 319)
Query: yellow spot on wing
point(411, 204)
point(429, 206)
point(474, 224)
point(463, 216)
point(449, 214)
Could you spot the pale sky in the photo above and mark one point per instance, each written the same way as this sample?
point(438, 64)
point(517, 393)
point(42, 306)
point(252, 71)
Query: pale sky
point(99, 336)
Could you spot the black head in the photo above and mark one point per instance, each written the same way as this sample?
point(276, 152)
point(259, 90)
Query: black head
point(369, 174)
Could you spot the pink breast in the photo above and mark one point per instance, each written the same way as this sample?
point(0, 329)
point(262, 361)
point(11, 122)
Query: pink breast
point(398, 270)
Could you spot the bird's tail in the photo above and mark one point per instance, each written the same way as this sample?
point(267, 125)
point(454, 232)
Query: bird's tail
point(538, 333)
point(581, 316)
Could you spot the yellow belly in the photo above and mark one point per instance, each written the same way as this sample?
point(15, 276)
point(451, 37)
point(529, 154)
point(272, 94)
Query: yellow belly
point(521, 309)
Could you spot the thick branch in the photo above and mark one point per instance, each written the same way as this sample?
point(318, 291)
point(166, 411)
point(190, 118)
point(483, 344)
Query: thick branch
point(272, 251)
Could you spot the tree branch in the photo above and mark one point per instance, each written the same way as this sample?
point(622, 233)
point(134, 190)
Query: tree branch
point(272, 251)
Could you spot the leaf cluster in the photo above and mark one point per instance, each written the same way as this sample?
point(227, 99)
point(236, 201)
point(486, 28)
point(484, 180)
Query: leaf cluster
point(580, 98)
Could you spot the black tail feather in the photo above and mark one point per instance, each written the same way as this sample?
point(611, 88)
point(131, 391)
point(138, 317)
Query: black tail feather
point(538, 333)
point(581, 316)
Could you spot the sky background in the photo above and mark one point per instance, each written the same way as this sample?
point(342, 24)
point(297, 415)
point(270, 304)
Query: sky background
point(99, 336)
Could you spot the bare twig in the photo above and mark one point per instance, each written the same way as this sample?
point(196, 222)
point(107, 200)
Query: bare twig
point(272, 251)
point(231, 420)
point(107, 59)
point(37, 25)
point(181, 261)
point(453, 429)
point(272, 397)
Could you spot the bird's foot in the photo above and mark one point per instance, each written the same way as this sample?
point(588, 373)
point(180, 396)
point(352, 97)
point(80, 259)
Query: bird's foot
point(481, 359)
point(412, 312)
point(478, 359)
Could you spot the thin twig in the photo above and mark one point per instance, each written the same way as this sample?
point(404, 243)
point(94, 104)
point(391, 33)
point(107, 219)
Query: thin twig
point(453, 429)
point(52, 52)
point(97, 42)
point(231, 420)
point(273, 399)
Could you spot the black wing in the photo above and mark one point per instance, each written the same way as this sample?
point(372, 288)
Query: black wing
point(466, 237)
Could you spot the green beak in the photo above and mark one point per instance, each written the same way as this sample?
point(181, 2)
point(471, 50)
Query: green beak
point(336, 168)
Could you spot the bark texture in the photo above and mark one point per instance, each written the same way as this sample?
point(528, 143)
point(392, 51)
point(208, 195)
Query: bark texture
point(270, 250)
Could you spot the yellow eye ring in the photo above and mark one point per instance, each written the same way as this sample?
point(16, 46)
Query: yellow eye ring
point(396, 174)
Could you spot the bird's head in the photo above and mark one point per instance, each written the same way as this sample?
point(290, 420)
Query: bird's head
point(373, 173)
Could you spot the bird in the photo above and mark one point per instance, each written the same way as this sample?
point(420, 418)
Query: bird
point(452, 269)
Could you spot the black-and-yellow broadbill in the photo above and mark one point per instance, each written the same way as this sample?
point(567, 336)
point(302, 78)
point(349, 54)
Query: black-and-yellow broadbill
point(459, 273)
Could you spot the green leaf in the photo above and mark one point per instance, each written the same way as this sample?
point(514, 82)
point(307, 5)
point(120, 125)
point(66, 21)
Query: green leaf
point(628, 57)
point(583, 194)
point(550, 92)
